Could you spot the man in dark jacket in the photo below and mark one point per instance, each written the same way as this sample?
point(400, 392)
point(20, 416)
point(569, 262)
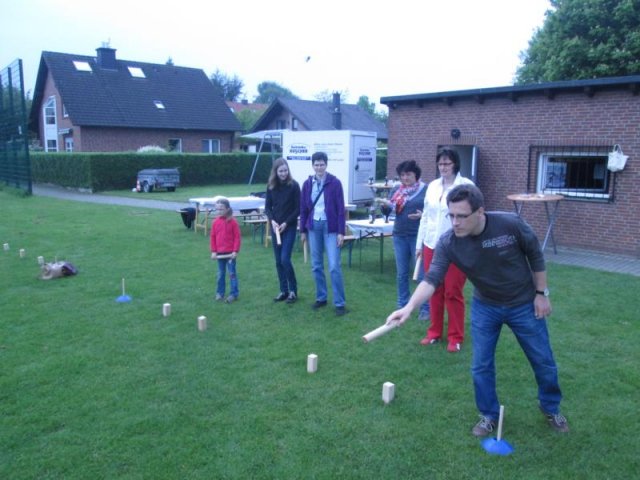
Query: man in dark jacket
point(501, 256)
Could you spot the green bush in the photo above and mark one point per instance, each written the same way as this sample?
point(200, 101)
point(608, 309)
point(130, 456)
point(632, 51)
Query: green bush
point(381, 164)
point(113, 171)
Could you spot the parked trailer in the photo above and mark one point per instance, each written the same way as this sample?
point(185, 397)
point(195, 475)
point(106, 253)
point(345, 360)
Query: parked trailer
point(154, 178)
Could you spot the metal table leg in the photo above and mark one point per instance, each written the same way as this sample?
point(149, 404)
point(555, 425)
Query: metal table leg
point(551, 220)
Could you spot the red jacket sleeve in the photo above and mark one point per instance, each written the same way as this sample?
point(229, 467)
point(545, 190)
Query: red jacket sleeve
point(213, 237)
point(237, 238)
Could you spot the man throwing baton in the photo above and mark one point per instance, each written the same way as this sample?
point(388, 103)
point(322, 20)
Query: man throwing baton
point(501, 256)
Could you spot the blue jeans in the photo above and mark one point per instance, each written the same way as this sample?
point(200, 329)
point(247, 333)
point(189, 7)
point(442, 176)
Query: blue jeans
point(533, 337)
point(404, 248)
point(224, 265)
point(282, 253)
point(319, 241)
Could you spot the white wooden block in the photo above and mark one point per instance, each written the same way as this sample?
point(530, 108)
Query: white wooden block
point(22, 253)
point(388, 392)
point(40, 260)
point(6, 247)
point(202, 323)
point(312, 363)
point(166, 309)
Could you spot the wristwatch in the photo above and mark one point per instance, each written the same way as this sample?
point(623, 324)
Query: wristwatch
point(544, 292)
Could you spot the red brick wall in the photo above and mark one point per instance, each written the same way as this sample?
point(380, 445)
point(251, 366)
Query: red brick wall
point(504, 129)
point(90, 139)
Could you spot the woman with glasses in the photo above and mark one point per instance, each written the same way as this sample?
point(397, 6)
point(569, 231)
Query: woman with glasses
point(433, 224)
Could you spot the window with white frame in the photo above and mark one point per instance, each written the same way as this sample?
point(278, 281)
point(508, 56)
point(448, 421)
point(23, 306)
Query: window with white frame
point(136, 72)
point(175, 145)
point(50, 111)
point(68, 144)
point(210, 145)
point(294, 123)
point(65, 114)
point(52, 145)
point(82, 66)
point(575, 172)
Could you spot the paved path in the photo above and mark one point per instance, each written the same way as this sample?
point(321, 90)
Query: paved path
point(595, 260)
point(565, 256)
point(65, 193)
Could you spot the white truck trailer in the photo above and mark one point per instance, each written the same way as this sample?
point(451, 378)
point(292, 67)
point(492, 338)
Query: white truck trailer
point(352, 158)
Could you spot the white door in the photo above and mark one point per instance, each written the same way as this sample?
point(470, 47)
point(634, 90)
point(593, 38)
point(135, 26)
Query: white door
point(50, 119)
point(364, 167)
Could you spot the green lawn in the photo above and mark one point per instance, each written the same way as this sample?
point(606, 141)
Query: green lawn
point(92, 388)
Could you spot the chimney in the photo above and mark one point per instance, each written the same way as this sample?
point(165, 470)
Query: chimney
point(336, 114)
point(106, 57)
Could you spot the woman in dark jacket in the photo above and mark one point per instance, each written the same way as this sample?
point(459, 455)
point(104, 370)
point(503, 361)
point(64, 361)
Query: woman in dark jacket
point(282, 207)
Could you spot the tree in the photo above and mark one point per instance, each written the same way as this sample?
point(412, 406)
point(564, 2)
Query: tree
point(370, 107)
point(582, 39)
point(365, 104)
point(269, 91)
point(248, 118)
point(327, 96)
point(230, 87)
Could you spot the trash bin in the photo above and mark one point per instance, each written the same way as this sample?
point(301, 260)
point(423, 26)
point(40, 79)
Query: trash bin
point(188, 216)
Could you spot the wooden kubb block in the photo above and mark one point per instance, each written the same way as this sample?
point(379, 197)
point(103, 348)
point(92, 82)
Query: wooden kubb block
point(312, 363)
point(388, 392)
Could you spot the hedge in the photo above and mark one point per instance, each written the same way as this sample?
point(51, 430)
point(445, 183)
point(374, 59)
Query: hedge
point(114, 171)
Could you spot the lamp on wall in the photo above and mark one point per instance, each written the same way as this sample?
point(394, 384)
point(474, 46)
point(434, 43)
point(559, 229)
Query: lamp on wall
point(455, 133)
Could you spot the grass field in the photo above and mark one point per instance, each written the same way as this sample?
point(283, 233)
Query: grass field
point(92, 388)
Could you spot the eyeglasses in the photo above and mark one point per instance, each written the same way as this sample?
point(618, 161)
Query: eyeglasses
point(459, 216)
point(445, 164)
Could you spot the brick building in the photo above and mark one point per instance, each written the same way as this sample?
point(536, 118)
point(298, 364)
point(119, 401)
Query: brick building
point(103, 104)
point(551, 138)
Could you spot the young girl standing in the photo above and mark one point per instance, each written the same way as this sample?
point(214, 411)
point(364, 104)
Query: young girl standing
point(225, 240)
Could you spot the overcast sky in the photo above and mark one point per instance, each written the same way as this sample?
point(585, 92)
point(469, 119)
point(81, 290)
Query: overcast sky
point(360, 47)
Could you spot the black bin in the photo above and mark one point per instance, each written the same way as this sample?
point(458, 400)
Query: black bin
point(188, 216)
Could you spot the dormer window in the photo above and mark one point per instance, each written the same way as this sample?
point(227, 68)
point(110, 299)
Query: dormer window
point(136, 72)
point(82, 66)
point(159, 105)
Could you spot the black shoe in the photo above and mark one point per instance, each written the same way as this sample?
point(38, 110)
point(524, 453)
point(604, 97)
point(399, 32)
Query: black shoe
point(292, 298)
point(340, 311)
point(281, 297)
point(319, 304)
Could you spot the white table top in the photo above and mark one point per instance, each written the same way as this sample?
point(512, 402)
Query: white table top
point(364, 227)
point(237, 203)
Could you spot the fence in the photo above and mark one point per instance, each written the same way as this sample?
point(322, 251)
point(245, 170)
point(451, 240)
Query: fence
point(15, 168)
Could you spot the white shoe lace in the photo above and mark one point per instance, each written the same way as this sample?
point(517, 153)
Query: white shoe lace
point(486, 423)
